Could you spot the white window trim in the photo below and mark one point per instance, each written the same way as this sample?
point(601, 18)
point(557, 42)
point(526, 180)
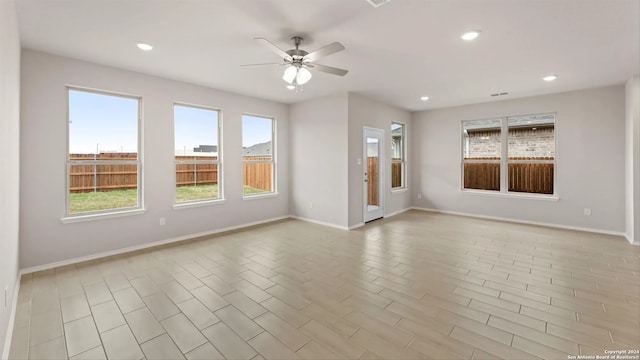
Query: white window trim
point(101, 216)
point(198, 203)
point(504, 163)
point(398, 190)
point(259, 196)
point(107, 213)
point(403, 161)
point(274, 177)
point(514, 195)
point(207, 201)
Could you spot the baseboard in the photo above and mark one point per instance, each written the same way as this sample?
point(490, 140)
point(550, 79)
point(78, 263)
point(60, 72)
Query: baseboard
point(397, 212)
point(324, 223)
point(12, 319)
point(356, 226)
point(145, 246)
point(518, 221)
point(630, 240)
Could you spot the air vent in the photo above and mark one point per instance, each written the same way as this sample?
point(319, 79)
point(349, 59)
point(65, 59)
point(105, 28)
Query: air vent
point(377, 3)
point(500, 94)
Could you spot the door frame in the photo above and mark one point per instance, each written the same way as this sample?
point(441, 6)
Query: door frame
point(378, 213)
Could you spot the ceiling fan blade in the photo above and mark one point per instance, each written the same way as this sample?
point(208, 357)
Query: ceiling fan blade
point(262, 64)
point(329, 69)
point(324, 51)
point(271, 46)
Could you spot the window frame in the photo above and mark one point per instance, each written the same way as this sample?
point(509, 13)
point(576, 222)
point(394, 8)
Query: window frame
point(218, 162)
point(273, 162)
point(464, 161)
point(70, 217)
point(403, 159)
point(504, 161)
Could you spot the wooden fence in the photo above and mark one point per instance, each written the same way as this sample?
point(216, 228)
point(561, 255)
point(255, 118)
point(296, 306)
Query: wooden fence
point(523, 177)
point(107, 177)
point(396, 174)
point(258, 175)
point(103, 177)
point(196, 174)
point(372, 181)
point(482, 176)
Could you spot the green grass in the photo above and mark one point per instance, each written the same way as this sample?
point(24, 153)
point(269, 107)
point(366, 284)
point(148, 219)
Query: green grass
point(102, 200)
point(118, 199)
point(196, 193)
point(248, 190)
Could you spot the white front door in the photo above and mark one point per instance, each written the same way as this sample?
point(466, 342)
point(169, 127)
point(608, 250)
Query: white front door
point(373, 173)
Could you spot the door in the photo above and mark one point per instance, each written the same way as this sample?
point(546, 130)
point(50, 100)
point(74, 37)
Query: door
point(373, 170)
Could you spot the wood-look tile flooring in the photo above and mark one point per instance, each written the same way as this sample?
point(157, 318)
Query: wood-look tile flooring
point(417, 285)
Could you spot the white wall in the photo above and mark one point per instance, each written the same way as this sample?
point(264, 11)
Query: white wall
point(44, 239)
point(9, 159)
point(632, 165)
point(590, 159)
point(367, 112)
point(318, 165)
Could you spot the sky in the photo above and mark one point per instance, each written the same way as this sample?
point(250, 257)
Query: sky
point(194, 127)
point(106, 123)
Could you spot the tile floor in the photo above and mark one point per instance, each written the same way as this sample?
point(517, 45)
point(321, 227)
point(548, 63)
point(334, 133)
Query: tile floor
point(417, 285)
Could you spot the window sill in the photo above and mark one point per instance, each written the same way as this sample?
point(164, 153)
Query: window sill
point(398, 190)
point(193, 204)
point(259, 196)
point(91, 217)
point(510, 195)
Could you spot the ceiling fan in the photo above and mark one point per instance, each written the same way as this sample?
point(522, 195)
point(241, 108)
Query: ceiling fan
point(299, 61)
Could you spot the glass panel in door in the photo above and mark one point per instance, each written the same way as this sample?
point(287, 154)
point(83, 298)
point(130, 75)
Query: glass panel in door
point(373, 151)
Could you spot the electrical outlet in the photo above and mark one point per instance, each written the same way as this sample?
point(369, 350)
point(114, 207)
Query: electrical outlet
point(587, 212)
point(163, 221)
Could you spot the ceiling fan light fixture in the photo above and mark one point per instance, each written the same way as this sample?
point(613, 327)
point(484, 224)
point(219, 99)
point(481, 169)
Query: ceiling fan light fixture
point(303, 76)
point(290, 74)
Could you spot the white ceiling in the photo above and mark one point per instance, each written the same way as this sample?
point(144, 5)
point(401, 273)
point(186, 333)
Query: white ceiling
point(395, 53)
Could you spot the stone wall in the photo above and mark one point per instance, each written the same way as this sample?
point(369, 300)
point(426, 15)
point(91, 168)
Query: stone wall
point(530, 143)
point(523, 143)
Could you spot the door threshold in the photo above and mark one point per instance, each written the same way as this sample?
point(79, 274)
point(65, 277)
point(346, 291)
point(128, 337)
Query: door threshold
point(366, 222)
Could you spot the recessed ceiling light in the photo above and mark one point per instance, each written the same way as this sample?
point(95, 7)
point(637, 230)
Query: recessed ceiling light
point(550, 78)
point(470, 35)
point(424, 98)
point(145, 47)
point(291, 87)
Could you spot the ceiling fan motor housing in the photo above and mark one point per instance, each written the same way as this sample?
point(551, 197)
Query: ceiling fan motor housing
point(296, 53)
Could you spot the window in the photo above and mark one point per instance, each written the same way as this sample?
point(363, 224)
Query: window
point(398, 165)
point(532, 154)
point(514, 154)
point(103, 155)
point(257, 155)
point(482, 149)
point(197, 153)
